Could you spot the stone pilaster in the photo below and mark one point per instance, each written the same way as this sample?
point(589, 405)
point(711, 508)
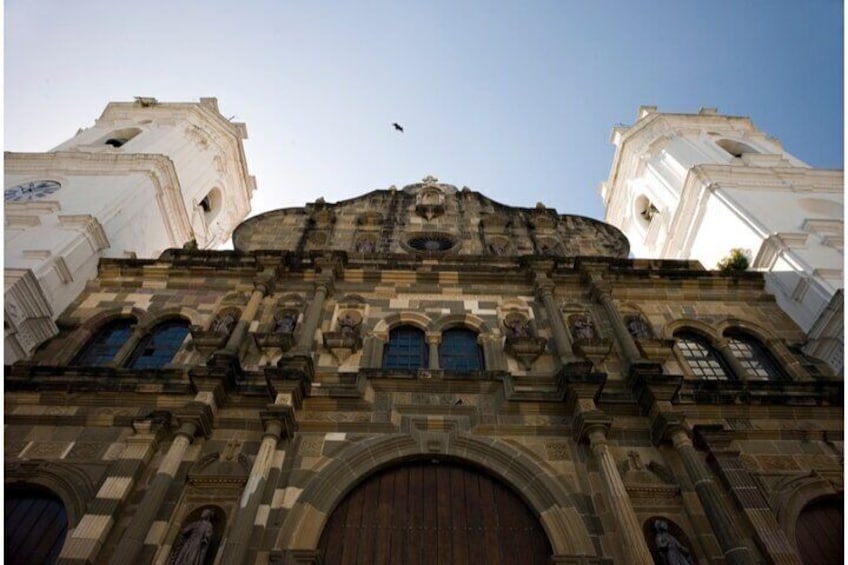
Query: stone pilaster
point(323, 288)
point(544, 289)
point(768, 534)
point(84, 543)
point(133, 539)
point(592, 425)
point(262, 286)
point(601, 292)
point(275, 421)
point(736, 552)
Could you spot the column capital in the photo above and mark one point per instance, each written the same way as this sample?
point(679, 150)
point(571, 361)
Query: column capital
point(278, 420)
point(586, 426)
point(264, 284)
point(433, 337)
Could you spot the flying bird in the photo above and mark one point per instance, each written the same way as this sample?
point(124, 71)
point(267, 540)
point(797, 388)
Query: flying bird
point(398, 127)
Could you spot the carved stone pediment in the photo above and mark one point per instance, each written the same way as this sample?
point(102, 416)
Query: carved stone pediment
point(526, 349)
point(207, 340)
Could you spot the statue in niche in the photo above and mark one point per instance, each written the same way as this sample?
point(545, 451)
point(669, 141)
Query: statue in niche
point(638, 328)
point(498, 247)
point(223, 323)
point(286, 322)
point(193, 541)
point(670, 550)
point(365, 246)
point(348, 323)
point(518, 327)
point(583, 328)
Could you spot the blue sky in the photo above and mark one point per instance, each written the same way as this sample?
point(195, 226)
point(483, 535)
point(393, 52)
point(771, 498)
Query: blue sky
point(515, 100)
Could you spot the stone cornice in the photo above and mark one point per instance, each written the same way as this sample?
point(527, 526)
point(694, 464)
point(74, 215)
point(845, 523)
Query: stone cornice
point(158, 168)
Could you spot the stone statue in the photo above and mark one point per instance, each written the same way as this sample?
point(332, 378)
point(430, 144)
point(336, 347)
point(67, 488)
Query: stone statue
point(638, 328)
point(518, 327)
point(223, 324)
point(365, 246)
point(498, 248)
point(193, 541)
point(286, 323)
point(671, 551)
point(348, 323)
point(583, 328)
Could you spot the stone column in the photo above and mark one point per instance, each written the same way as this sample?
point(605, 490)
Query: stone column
point(127, 348)
point(133, 539)
point(719, 515)
point(433, 341)
point(634, 549)
point(544, 289)
point(625, 340)
point(323, 286)
point(236, 546)
point(261, 288)
point(723, 347)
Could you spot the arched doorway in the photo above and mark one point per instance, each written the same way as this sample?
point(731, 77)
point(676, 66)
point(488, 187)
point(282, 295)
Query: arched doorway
point(433, 512)
point(35, 525)
point(819, 531)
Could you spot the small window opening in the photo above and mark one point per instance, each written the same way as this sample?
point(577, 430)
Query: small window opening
point(206, 205)
point(114, 142)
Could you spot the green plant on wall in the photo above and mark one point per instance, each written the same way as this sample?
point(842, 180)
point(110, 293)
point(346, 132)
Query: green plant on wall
point(736, 262)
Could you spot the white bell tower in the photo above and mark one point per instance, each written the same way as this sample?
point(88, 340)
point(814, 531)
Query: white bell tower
point(695, 186)
point(147, 176)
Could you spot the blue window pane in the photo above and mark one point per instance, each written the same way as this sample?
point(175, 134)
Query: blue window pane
point(702, 358)
point(103, 347)
point(405, 350)
point(158, 348)
point(459, 351)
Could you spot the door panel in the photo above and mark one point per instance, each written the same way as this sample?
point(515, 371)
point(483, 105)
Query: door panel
point(427, 512)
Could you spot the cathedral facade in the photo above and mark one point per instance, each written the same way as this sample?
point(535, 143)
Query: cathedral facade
point(423, 375)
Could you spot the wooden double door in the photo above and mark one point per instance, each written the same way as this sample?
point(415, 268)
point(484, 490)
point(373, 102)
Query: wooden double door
point(433, 512)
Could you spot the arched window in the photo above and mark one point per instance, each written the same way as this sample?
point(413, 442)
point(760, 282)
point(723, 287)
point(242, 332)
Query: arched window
point(735, 148)
point(36, 525)
point(120, 137)
point(158, 347)
point(756, 359)
point(459, 351)
point(703, 360)
point(406, 349)
point(103, 347)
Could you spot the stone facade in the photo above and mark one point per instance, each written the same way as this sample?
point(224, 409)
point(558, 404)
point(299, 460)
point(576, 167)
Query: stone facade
point(285, 396)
